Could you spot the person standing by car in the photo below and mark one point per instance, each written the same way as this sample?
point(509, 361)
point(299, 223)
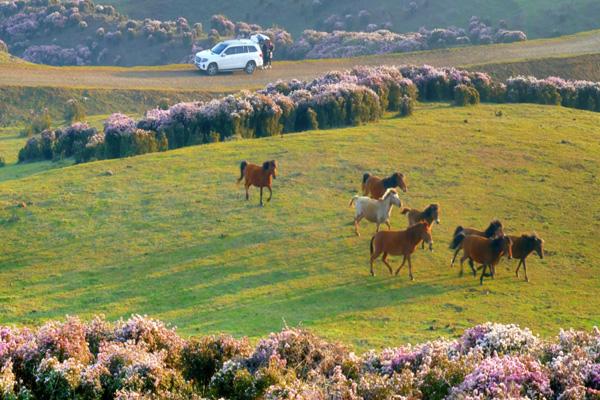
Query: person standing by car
point(267, 50)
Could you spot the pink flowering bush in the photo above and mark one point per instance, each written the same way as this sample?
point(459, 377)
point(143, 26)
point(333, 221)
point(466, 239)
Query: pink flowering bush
point(43, 32)
point(143, 358)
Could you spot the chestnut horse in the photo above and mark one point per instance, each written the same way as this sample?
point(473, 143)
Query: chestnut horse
point(261, 177)
point(483, 250)
point(523, 246)
point(430, 215)
point(376, 187)
point(494, 230)
point(398, 243)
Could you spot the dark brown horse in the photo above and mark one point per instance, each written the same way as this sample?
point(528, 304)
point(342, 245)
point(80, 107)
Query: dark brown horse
point(483, 251)
point(261, 177)
point(376, 187)
point(494, 230)
point(523, 246)
point(400, 243)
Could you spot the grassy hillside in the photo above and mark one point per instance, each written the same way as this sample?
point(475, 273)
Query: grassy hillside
point(585, 67)
point(169, 234)
point(537, 17)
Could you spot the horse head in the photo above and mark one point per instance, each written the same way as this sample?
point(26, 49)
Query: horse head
point(391, 195)
point(494, 230)
point(507, 244)
point(271, 167)
point(538, 245)
point(400, 181)
point(434, 212)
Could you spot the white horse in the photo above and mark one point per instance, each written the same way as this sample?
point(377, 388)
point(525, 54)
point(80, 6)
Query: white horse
point(377, 211)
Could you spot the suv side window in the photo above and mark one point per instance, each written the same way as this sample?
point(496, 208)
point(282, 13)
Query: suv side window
point(232, 50)
point(250, 49)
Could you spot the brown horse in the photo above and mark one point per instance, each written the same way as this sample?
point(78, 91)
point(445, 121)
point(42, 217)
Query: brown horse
point(494, 230)
point(483, 250)
point(398, 243)
point(430, 215)
point(523, 246)
point(376, 187)
point(261, 177)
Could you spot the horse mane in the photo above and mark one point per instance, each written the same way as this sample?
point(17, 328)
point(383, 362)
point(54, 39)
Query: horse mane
point(428, 212)
point(266, 165)
point(366, 177)
point(494, 226)
point(390, 181)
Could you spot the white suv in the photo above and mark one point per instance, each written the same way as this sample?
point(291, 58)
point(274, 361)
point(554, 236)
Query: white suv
point(230, 55)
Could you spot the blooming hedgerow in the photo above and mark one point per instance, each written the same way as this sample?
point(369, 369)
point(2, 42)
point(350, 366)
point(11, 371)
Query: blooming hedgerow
point(142, 358)
point(336, 99)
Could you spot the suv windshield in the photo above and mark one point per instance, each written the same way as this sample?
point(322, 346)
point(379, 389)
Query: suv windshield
point(218, 49)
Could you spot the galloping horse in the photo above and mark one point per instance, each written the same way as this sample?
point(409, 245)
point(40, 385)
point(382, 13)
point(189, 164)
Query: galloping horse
point(483, 251)
point(523, 246)
point(402, 243)
point(492, 231)
point(378, 211)
point(375, 187)
point(430, 215)
point(258, 176)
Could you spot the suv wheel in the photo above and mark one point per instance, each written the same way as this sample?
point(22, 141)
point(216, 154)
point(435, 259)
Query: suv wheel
point(250, 67)
point(212, 69)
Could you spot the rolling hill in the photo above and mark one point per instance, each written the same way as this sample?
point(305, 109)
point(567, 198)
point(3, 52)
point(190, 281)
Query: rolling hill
point(169, 234)
point(538, 18)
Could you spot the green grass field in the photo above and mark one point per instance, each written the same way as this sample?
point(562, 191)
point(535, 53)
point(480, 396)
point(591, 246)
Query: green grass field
point(169, 235)
point(537, 17)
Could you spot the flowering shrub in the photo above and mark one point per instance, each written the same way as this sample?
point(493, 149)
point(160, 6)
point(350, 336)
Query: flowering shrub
point(336, 99)
point(499, 339)
point(505, 377)
point(142, 358)
point(42, 32)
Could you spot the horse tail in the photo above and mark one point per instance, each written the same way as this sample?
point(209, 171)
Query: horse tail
point(457, 241)
point(371, 245)
point(352, 201)
point(243, 166)
point(458, 230)
point(366, 177)
point(405, 211)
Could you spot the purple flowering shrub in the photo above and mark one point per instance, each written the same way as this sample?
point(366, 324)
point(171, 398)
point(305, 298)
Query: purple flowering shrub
point(335, 99)
point(43, 32)
point(142, 358)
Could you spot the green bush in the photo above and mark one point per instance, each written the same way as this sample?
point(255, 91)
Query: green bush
point(406, 106)
point(39, 122)
point(465, 95)
point(74, 111)
point(202, 358)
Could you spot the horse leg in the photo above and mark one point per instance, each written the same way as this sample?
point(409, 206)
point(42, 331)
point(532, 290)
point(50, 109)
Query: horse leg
point(377, 230)
point(387, 264)
point(270, 194)
point(462, 261)
point(373, 258)
point(525, 269)
point(388, 225)
point(518, 267)
point(482, 274)
point(410, 269)
point(261, 197)
point(247, 194)
point(356, 222)
point(401, 265)
point(454, 257)
point(472, 266)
